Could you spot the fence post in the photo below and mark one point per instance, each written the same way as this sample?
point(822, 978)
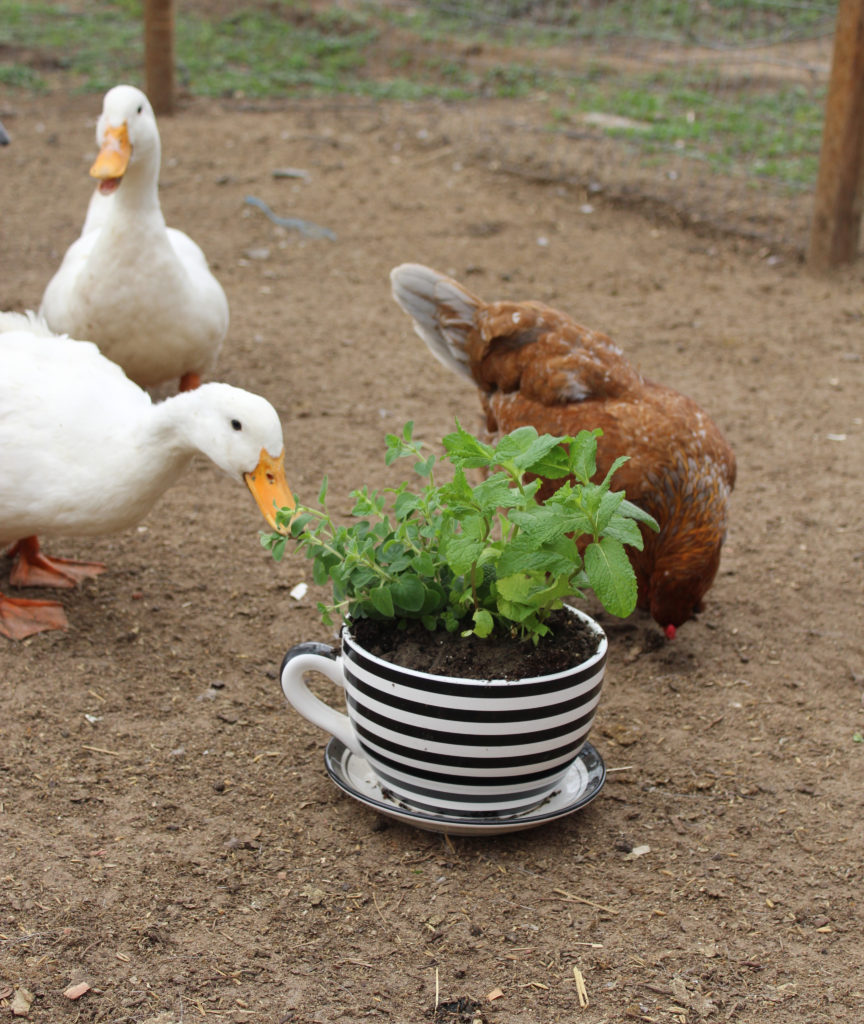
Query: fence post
point(837, 207)
point(159, 54)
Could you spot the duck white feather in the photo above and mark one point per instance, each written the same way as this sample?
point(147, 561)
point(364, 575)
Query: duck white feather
point(28, 321)
point(87, 452)
point(142, 291)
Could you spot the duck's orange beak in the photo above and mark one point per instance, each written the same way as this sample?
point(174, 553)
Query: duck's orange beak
point(113, 159)
point(269, 487)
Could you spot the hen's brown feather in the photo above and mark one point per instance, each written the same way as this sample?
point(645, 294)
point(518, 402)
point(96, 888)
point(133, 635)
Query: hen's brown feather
point(535, 366)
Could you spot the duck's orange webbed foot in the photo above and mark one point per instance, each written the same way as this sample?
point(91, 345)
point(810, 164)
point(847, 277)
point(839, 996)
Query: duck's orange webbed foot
point(20, 618)
point(190, 381)
point(33, 569)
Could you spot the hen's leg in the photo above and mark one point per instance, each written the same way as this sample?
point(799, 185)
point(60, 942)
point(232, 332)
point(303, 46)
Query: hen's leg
point(33, 569)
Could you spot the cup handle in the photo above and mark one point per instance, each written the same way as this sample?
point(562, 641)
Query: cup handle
point(321, 658)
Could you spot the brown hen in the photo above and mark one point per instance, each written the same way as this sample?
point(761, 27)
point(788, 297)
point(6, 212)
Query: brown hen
point(536, 366)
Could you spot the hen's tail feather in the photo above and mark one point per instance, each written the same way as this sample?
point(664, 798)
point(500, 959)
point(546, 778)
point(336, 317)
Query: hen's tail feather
point(444, 313)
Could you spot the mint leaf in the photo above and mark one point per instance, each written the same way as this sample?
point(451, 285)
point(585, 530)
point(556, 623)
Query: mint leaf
point(467, 451)
point(583, 454)
point(611, 575)
point(639, 514)
point(462, 552)
point(483, 623)
point(626, 531)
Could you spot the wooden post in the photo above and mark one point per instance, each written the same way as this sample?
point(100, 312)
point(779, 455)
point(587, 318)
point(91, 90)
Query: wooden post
point(159, 54)
point(837, 207)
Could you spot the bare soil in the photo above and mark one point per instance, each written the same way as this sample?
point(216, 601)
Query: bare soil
point(168, 833)
point(499, 656)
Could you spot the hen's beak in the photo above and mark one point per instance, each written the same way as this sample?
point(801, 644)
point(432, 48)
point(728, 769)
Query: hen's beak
point(269, 487)
point(113, 159)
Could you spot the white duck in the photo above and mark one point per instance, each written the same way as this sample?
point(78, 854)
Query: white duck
point(87, 452)
point(139, 290)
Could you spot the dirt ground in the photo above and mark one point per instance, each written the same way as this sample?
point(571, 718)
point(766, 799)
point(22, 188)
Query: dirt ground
point(168, 833)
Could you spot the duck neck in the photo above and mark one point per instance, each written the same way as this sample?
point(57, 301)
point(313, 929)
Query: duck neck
point(163, 452)
point(170, 426)
point(138, 193)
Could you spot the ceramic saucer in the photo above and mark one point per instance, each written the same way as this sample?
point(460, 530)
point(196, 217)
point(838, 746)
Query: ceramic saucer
point(580, 785)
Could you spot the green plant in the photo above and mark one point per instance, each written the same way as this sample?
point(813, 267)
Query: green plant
point(482, 558)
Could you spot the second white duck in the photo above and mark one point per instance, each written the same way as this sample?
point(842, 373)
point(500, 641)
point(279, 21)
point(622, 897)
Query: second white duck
point(142, 291)
point(86, 453)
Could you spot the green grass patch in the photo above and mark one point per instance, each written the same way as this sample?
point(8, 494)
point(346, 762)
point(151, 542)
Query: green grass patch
point(720, 22)
point(280, 48)
point(260, 53)
point(104, 45)
point(19, 76)
point(771, 132)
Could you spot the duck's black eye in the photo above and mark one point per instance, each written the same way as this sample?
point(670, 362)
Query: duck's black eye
point(141, 108)
point(236, 424)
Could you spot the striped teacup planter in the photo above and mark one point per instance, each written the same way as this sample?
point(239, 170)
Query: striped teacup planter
point(448, 746)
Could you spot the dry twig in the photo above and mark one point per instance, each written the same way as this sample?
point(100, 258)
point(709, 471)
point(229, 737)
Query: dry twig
point(581, 991)
point(567, 897)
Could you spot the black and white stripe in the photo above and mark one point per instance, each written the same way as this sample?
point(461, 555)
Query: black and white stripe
point(466, 748)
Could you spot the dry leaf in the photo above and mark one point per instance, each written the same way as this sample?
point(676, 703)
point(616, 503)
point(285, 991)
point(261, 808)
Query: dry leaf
point(638, 851)
point(496, 993)
point(702, 1005)
point(679, 990)
point(21, 1002)
point(77, 990)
